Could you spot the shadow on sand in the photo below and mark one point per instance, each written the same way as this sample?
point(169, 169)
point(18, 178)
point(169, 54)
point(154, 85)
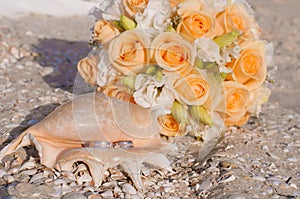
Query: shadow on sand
point(62, 56)
point(35, 116)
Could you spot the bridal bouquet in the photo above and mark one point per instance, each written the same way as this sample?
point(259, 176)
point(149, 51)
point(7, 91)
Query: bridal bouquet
point(200, 63)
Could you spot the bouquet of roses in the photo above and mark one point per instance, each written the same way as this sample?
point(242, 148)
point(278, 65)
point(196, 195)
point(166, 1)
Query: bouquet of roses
point(201, 62)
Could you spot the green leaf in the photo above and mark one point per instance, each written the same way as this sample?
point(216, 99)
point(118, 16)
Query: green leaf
point(179, 112)
point(118, 25)
point(209, 65)
point(159, 75)
point(129, 81)
point(200, 114)
point(171, 29)
point(204, 65)
point(127, 23)
point(226, 39)
point(151, 70)
point(199, 63)
point(223, 75)
point(220, 76)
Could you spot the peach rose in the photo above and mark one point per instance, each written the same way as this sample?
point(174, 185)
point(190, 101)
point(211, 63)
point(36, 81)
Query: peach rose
point(87, 67)
point(169, 126)
point(134, 6)
point(174, 3)
point(192, 89)
point(237, 101)
point(172, 53)
point(129, 52)
point(197, 25)
point(118, 92)
point(250, 68)
point(104, 31)
point(236, 17)
point(186, 7)
point(233, 122)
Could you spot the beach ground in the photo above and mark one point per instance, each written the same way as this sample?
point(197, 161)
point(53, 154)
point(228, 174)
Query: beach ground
point(38, 56)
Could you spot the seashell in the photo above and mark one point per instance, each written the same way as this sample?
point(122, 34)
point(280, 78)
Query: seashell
point(66, 188)
point(224, 154)
point(28, 172)
point(259, 178)
point(80, 168)
point(28, 165)
point(293, 160)
point(2, 173)
point(118, 176)
point(84, 178)
point(57, 192)
point(109, 184)
point(117, 189)
point(107, 194)
point(236, 196)
point(13, 170)
point(273, 156)
point(229, 179)
point(73, 184)
point(276, 183)
point(57, 174)
point(205, 185)
point(89, 188)
point(286, 186)
point(94, 196)
point(168, 189)
point(294, 186)
point(46, 70)
point(82, 121)
point(16, 163)
point(60, 181)
point(37, 177)
point(76, 195)
point(226, 164)
point(49, 181)
point(69, 175)
point(25, 178)
point(128, 188)
point(8, 178)
point(150, 194)
point(15, 52)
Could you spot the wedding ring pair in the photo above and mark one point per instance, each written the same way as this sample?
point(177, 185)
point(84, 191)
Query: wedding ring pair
point(119, 144)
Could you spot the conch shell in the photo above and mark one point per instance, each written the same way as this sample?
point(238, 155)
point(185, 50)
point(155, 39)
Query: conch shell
point(63, 137)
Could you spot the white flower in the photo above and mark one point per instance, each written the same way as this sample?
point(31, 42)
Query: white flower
point(150, 93)
point(245, 4)
point(219, 5)
point(106, 73)
point(207, 50)
point(258, 97)
point(107, 9)
point(224, 69)
point(166, 99)
point(155, 15)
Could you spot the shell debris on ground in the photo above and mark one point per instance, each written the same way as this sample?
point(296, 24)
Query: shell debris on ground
point(260, 160)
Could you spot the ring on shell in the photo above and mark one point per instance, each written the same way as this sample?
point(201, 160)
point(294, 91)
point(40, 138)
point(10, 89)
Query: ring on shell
point(100, 144)
point(123, 144)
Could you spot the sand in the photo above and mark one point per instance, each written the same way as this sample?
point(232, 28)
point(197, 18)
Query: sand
point(263, 156)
